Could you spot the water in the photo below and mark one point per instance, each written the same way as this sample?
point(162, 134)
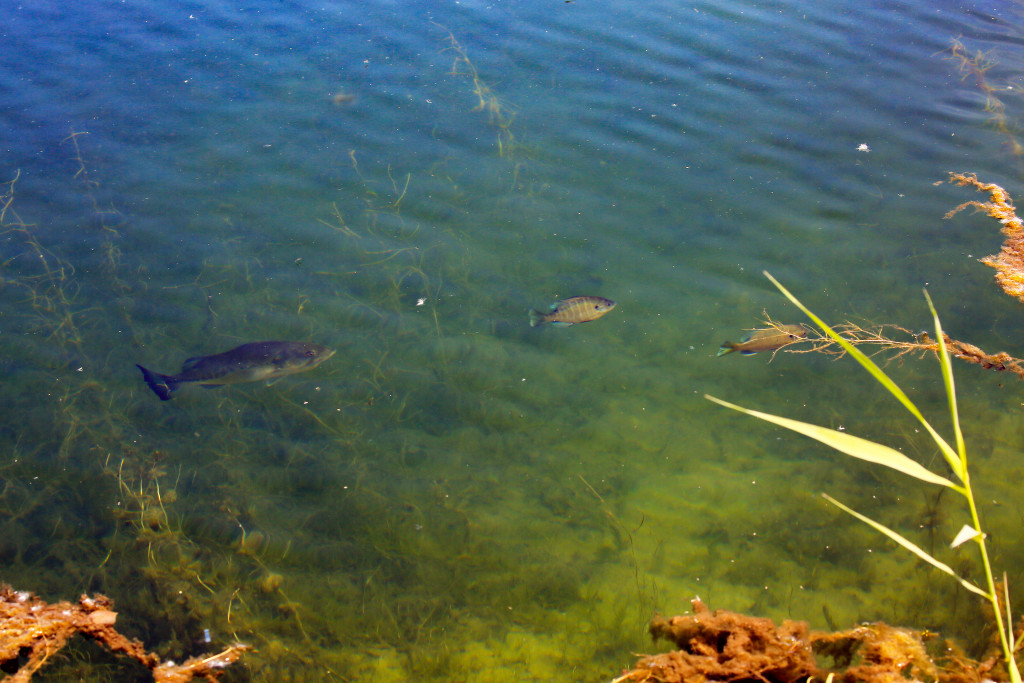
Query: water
point(456, 496)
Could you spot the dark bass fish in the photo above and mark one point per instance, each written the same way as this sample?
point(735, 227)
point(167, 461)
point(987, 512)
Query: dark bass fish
point(575, 309)
point(765, 340)
point(246, 363)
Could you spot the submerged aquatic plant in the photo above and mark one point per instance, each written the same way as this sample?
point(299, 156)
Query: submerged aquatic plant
point(501, 116)
point(880, 454)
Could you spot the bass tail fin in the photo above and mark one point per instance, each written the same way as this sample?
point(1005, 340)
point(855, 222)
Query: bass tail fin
point(162, 385)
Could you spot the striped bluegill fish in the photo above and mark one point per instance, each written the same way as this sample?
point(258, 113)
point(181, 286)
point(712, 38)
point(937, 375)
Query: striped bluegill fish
point(246, 363)
point(575, 309)
point(765, 340)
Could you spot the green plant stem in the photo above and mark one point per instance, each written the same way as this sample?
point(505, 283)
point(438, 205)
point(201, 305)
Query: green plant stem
point(1005, 635)
point(993, 597)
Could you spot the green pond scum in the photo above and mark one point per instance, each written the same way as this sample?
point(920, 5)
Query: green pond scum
point(452, 496)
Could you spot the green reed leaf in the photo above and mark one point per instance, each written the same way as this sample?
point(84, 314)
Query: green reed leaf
point(951, 456)
point(851, 445)
point(960, 465)
point(908, 545)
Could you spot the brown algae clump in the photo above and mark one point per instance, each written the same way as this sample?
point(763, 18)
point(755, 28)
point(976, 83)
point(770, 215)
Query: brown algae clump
point(727, 646)
point(1009, 262)
point(31, 631)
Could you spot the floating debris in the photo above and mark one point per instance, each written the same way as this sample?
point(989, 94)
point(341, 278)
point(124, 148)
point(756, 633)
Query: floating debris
point(1009, 262)
point(343, 98)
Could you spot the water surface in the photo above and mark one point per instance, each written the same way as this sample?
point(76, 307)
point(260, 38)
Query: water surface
point(454, 495)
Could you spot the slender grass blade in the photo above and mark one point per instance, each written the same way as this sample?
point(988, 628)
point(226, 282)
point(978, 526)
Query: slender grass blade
point(851, 445)
point(908, 545)
point(960, 467)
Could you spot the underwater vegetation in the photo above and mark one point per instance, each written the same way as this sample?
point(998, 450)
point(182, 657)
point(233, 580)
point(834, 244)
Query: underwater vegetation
point(498, 113)
point(975, 67)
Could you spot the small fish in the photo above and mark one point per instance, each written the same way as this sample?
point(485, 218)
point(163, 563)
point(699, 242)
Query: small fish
point(575, 309)
point(246, 363)
point(765, 340)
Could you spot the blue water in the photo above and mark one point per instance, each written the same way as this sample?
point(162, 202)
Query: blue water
point(454, 495)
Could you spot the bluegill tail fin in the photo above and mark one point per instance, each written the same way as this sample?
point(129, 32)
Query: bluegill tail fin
point(726, 347)
point(536, 318)
point(162, 385)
